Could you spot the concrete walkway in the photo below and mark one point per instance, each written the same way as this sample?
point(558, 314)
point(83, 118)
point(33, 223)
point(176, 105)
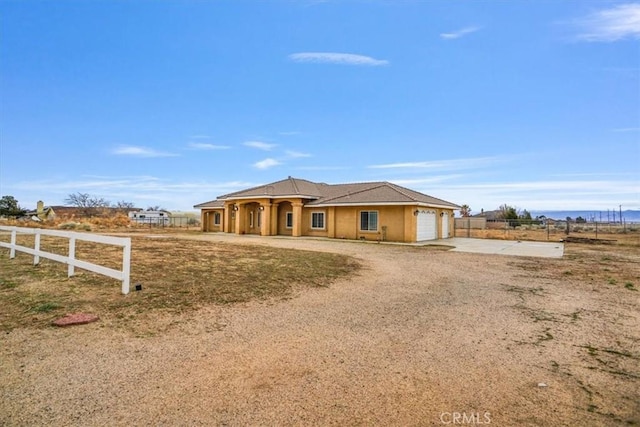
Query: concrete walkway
point(504, 247)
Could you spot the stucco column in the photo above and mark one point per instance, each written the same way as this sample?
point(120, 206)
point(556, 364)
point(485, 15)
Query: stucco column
point(297, 220)
point(273, 223)
point(226, 223)
point(240, 213)
point(265, 226)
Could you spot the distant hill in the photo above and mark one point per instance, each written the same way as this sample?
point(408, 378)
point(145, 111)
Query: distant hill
point(600, 216)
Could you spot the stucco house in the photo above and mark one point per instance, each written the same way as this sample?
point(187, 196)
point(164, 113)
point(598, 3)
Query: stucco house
point(379, 211)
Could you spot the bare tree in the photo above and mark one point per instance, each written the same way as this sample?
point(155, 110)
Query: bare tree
point(89, 205)
point(122, 205)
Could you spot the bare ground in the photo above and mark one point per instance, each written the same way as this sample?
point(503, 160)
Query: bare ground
point(417, 337)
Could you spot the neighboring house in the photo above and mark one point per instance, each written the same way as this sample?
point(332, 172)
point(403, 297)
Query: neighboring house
point(150, 217)
point(42, 213)
point(296, 207)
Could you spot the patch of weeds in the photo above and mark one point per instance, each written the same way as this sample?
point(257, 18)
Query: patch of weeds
point(523, 290)
point(592, 408)
point(7, 284)
point(46, 307)
point(612, 281)
point(546, 337)
point(630, 286)
point(592, 350)
point(574, 316)
point(567, 273)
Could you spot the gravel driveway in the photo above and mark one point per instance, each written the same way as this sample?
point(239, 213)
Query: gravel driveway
point(420, 337)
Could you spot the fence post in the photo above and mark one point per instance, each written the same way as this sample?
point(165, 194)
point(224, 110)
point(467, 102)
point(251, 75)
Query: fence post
point(12, 253)
point(72, 256)
point(596, 229)
point(36, 255)
point(126, 267)
point(547, 230)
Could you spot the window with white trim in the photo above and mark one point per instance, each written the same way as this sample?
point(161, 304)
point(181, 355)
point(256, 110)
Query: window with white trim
point(251, 219)
point(317, 220)
point(289, 220)
point(368, 220)
point(216, 218)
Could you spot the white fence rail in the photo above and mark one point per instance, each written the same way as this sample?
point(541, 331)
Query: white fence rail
point(70, 260)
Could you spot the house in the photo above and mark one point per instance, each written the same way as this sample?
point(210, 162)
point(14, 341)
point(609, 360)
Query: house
point(150, 217)
point(379, 211)
point(42, 213)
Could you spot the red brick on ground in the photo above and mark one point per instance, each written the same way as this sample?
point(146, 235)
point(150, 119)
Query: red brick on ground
point(75, 319)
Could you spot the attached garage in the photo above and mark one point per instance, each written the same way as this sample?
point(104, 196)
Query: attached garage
point(426, 228)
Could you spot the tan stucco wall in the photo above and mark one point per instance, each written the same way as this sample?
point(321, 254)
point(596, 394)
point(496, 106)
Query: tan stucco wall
point(395, 223)
point(347, 223)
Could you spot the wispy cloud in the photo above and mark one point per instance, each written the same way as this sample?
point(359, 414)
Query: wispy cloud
point(260, 145)
point(460, 33)
point(452, 164)
point(205, 146)
point(266, 163)
point(137, 151)
point(296, 154)
point(337, 58)
point(609, 25)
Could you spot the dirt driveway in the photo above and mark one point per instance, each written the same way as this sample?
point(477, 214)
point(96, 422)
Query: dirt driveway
point(421, 337)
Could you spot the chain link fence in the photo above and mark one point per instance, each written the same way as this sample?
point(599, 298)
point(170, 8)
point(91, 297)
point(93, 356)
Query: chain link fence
point(547, 230)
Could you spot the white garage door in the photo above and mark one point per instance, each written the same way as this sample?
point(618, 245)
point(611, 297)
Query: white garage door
point(426, 225)
point(445, 226)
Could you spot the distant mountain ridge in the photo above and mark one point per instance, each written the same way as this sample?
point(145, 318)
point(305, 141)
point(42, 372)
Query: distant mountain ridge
point(599, 216)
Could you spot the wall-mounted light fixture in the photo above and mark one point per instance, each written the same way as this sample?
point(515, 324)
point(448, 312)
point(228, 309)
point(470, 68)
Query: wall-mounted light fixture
point(416, 212)
point(441, 213)
point(261, 208)
point(235, 207)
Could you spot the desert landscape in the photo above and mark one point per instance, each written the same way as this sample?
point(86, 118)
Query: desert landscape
point(386, 335)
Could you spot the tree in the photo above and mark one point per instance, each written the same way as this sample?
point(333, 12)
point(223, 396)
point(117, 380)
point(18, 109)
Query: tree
point(465, 211)
point(155, 208)
point(122, 205)
point(508, 212)
point(89, 205)
point(9, 207)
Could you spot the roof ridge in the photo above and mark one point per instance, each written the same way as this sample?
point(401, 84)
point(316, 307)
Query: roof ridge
point(295, 185)
point(400, 190)
point(349, 193)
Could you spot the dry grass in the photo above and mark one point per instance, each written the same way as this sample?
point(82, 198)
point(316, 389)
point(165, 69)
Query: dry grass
point(630, 236)
point(176, 275)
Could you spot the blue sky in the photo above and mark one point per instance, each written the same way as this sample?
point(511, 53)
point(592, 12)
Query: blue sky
point(531, 103)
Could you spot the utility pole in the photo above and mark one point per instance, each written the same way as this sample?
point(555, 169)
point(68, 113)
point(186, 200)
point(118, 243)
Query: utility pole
point(620, 206)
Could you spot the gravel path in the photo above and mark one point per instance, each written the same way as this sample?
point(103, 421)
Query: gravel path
point(417, 337)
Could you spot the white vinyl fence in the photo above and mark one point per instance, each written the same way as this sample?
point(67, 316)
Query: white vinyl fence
point(70, 260)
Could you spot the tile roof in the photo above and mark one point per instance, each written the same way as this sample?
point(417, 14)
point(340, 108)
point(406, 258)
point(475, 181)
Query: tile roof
point(321, 194)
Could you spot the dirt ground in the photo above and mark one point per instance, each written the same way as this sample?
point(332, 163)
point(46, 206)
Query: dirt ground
point(417, 338)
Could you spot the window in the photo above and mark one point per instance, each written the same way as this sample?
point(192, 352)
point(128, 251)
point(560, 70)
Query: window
point(289, 222)
point(251, 219)
point(259, 219)
point(216, 218)
point(317, 220)
point(369, 221)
